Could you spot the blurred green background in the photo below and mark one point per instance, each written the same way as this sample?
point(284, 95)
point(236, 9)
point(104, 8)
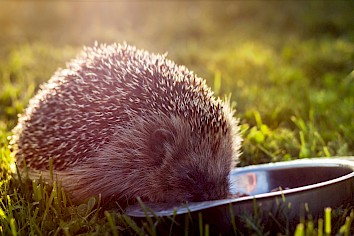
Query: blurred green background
point(288, 65)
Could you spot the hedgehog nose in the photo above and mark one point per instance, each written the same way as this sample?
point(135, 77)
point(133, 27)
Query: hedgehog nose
point(205, 194)
point(198, 198)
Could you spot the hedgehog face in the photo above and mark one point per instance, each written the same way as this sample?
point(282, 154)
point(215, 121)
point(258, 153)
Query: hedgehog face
point(189, 167)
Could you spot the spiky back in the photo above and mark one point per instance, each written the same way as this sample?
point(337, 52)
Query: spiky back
point(105, 87)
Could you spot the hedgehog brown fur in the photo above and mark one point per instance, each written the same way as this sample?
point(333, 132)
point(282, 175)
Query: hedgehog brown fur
point(123, 122)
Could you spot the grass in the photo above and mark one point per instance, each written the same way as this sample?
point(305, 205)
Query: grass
point(287, 65)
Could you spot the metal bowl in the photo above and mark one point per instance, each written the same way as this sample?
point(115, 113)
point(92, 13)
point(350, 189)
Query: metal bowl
point(281, 190)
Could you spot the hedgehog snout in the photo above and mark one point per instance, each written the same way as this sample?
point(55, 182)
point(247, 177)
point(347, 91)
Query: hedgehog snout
point(201, 186)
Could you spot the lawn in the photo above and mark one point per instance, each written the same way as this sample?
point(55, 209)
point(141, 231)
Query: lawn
point(287, 66)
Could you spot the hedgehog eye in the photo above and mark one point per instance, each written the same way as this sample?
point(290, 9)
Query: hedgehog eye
point(160, 140)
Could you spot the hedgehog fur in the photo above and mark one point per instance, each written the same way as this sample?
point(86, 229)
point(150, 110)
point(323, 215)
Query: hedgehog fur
point(125, 123)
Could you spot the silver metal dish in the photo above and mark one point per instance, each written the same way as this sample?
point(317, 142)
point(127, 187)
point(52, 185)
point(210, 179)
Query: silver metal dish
point(278, 189)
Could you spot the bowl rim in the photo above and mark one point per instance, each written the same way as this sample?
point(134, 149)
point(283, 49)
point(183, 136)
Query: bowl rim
point(183, 208)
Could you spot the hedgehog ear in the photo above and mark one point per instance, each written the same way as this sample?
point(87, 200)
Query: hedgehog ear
point(160, 140)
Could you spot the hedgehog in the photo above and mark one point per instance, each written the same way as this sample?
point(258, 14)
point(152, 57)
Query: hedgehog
point(125, 123)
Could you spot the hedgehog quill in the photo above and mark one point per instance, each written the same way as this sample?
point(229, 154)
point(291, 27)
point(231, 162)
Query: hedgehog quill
point(126, 123)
